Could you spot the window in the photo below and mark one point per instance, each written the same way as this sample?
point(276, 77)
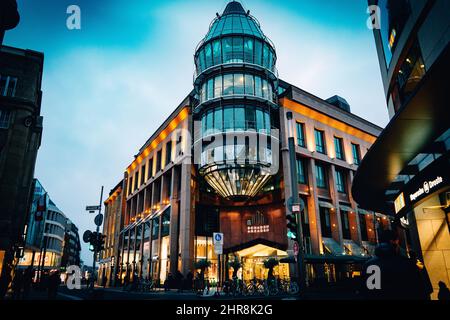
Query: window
point(227, 49)
point(340, 181)
point(165, 220)
point(218, 127)
point(325, 222)
point(266, 56)
point(239, 116)
point(136, 181)
point(158, 161)
point(168, 152)
point(301, 134)
point(210, 89)
point(363, 227)
point(142, 174)
point(217, 54)
point(218, 86)
point(320, 143)
point(338, 145)
point(208, 56)
point(248, 50)
point(260, 121)
point(345, 225)
point(250, 119)
point(238, 83)
point(227, 84)
point(155, 228)
point(228, 118)
point(321, 179)
point(249, 85)
point(130, 185)
point(5, 116)
point(150, 169)
point(238, 49)
point(258, 52)
point(8, 86)
point(356, 154)
point(258, 87)
point(201, 59)
point(301, 172)
point(410, 73)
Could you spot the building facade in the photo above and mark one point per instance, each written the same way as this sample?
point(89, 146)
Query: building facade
point(219, 163)
point(408, 166)
point(72, 246)
point(20, 138)
point(112, 225)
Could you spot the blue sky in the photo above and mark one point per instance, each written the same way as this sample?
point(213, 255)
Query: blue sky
point(108, 86)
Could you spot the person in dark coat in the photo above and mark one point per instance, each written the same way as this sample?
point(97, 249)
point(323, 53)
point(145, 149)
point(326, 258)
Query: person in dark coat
point(53, 283)
point(17, 285)
point(444, 293)
point(427, 285)
point(189, 279)
point(399, 277)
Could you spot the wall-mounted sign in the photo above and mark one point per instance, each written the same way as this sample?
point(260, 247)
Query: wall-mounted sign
point(399, 203)
point(218, 242)
point(426, 188)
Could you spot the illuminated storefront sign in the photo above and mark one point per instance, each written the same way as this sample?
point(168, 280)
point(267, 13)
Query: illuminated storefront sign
point(427, 188)
point(399, 203)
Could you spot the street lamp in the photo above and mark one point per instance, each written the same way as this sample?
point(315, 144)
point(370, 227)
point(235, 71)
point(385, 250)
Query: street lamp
point(296, 202)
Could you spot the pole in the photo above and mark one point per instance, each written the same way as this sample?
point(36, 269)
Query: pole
point(95, 248)
point(296, 201)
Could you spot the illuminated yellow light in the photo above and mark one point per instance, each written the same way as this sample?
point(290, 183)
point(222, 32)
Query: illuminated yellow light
point(336, 124)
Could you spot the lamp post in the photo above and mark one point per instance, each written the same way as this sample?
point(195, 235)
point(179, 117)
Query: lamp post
point(296, 201)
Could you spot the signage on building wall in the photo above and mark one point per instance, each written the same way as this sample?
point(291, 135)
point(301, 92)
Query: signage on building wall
point(431, 179)
point(218, 242)
point(258, 223)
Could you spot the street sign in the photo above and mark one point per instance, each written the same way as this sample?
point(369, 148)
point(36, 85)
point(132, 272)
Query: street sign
point(218, 242)
point(92, 208)
point(296, 208)
point(98, 220)
point(87, 236)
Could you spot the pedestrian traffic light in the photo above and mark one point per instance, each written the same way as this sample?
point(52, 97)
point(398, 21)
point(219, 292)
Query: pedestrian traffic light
point(291, 226)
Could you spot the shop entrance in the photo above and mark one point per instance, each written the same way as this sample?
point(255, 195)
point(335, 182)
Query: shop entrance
point(252, 262)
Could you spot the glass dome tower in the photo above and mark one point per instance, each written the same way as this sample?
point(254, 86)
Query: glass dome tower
point(236, 84)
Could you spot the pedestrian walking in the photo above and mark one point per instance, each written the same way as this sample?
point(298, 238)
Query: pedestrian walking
point(444, 292)
point(17, 285)
point(427, 287)
point(399, 277)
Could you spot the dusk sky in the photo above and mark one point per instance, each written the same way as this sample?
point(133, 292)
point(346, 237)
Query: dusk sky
point(109, 86)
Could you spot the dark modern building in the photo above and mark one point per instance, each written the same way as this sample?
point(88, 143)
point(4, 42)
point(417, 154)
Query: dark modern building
point(72, 246)
point(9, 17)
point(220, 163)
point(20, 138)
point(406, 172)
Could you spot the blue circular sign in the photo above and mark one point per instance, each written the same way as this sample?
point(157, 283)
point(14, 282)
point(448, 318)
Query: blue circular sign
point(218, 237)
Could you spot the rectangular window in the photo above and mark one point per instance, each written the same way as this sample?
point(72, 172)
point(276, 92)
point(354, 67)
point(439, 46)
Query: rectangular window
point(208, 55)
point(218, 86)
point(238, 49)
point(260, 121)
point(155, 228)
point(338, 145)
point(8, 86)
point(320, 141)
point(363, 227)
point(228, 118)
point(218, 126)
point(325, 222)
point(301, 172)
point(301, 134)
point(165, 219)
point(217, 54)
point(265, 89)
point(142, 174)
point(258, 87)
point(266, 56)
point(248, 50)
point(227, 49)
point(340, 181)
point(238, 83)
point(136, 180)
point(249, 85)
point(258, 52)
point(239, 116)
point(5, 116)
point(250, 118)
point(227, 84)
point(158, 161)
point(356, 154)
point(168, 152)
point(210, 89)
point(150, 169)
point(321, 179)
point(345, 225)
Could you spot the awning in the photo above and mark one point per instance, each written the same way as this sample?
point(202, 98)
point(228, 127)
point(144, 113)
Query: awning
point(363, 211)
point(325, 204)
point(332, 246)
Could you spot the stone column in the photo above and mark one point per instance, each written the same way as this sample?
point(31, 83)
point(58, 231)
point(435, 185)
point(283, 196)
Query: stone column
point(187, 220)
point(174, 220)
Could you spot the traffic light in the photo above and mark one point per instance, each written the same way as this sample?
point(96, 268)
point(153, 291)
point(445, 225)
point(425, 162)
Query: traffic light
point(101, 242)
point(292, 226)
